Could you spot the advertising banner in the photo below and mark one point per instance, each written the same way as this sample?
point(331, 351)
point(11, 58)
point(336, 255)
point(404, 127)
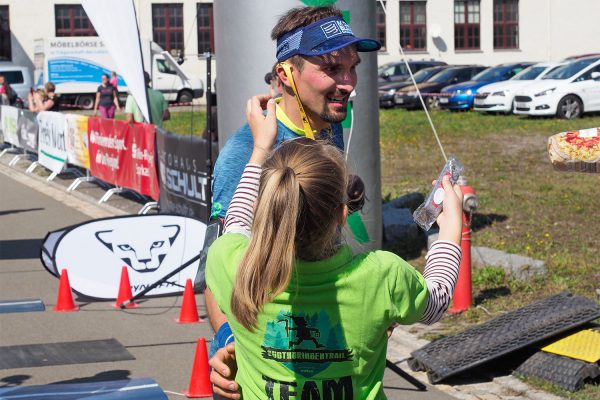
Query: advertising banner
point(9, 119)
point(52, 151)
point(150, 246)
point(77, 140)
point(184, 188)
point(28, 131)
point(123, 154)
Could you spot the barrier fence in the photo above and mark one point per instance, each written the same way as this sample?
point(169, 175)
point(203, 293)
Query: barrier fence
point(118, 156)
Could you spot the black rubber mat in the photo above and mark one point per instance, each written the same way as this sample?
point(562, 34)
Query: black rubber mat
point(565, 372)
point(503, 335)
point(40, 355)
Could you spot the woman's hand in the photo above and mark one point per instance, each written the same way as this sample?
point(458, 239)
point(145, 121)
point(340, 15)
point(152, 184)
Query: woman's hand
point(450, 220)
point(263, 127)
point(224, 369)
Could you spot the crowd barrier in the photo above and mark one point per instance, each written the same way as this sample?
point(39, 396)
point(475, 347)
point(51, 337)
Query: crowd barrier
point(114, 154)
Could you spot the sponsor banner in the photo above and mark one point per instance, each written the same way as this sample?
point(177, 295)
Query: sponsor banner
point(77, 140)
point(184, 188)
point(28, 131)
point(150, 246)
point(9, 119)
point(52, 151)
point(123, 154)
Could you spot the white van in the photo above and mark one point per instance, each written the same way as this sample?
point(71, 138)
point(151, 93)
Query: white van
point(19, 78)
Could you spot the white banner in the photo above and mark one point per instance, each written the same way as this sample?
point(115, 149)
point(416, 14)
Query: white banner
point(77, 140)
point(150, 246)
point(10, 118)
point(116, 24)
point(52, 151)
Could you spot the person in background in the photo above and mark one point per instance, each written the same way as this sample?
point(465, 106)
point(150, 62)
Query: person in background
point(274, 83)
point(48, 101)
point(159, 110)
point(114, 80)
point(106, 99)
point(8, 96)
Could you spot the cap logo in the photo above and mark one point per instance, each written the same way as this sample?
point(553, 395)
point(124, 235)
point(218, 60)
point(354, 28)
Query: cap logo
point(335, 28)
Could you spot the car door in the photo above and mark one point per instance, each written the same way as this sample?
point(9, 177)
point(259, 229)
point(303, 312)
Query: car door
point(590, 90)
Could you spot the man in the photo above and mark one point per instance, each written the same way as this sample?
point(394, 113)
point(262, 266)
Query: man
point(317, 54)
point(159, 110)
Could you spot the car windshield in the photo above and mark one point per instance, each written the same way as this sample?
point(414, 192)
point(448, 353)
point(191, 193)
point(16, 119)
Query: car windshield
point(445, 76)
point(529, 74)
point(425, 74)
point(570, 69)
point(492, 74)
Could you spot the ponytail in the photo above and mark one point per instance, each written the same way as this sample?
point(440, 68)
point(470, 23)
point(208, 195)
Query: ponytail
point(267, 266)
point(302, 187)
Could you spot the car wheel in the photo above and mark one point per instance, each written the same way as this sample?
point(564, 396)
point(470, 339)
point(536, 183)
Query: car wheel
point(85, 102)
point(569, 107)
point(433, 102)
point(185, 96)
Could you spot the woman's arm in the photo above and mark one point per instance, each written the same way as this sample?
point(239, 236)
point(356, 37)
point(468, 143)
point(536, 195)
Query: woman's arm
point(116, 99)
point(96, 103)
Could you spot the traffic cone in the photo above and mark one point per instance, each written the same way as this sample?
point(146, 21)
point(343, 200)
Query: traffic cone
point(200, 382)
point(124, 290)
point(65, 302)
point(189, 311)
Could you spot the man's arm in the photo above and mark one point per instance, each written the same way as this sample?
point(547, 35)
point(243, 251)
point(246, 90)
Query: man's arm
point(129, 104)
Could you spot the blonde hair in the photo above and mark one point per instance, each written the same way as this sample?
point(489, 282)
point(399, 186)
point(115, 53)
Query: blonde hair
point(302, 187)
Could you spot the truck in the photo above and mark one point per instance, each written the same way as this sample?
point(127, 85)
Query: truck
point(76, 64)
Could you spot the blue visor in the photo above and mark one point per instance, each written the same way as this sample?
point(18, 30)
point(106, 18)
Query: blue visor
point(321, 37)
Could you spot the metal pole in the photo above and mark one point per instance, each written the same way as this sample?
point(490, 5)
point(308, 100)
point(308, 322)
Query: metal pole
point(209, 130)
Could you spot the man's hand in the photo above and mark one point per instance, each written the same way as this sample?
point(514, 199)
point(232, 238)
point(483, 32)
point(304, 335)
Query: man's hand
point(224, 369)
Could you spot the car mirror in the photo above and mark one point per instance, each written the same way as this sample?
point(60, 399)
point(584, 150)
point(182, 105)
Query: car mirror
point(596, 76)
point(455, 79)
point(384, 75)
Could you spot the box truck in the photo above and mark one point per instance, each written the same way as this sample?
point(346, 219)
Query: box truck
point(75, 65)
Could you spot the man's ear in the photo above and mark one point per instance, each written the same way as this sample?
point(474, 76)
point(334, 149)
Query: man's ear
point(342, 214)
point(282, 75)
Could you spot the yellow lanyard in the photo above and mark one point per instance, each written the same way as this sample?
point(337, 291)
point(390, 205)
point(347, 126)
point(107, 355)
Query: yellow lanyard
point(308, 131)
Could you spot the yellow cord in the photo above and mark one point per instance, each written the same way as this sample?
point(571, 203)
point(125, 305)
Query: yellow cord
point(308, 131)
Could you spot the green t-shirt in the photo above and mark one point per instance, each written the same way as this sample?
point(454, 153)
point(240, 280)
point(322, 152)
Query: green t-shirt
point(325, 336)
point(158, 105)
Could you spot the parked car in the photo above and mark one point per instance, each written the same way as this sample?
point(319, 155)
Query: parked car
point(19, 78)
point(460, 96)
point(407, 96)
point(499, 96)
point(566, 92)
point(387, 92)
point(397, 71)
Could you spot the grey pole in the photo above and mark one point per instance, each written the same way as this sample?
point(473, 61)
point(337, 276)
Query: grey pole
point(363, 148)
point(244, 54)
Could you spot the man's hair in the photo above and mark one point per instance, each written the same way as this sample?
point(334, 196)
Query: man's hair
point(298, 17)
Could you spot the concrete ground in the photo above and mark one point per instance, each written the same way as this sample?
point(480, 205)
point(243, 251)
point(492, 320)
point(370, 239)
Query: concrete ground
point(163, 349)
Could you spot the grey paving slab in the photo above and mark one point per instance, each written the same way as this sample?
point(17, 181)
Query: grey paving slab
point(163, 349)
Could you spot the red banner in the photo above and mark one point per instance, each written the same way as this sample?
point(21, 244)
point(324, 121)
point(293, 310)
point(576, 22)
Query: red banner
point(123, 154)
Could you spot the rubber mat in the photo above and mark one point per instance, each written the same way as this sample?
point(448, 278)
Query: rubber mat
point(16, 306)
point(40, 355)
point(134, 389)
point(503, 335)
point(564, 372)
point(583, 345)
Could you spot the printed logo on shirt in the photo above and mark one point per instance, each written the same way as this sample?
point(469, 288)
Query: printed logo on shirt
point(305, 343)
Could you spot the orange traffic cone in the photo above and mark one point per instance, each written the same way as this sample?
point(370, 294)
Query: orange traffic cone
point(124, 290)
point(65, 302)
point(200, 382)
point(189, 311)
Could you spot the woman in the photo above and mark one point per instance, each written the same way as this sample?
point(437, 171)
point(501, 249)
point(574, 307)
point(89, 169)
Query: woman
point(107, 99)
point(308, 316)
point(46, 100)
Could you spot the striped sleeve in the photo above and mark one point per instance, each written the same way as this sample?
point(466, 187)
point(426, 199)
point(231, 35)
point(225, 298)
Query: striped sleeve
point(441, 273)
point(241, 209)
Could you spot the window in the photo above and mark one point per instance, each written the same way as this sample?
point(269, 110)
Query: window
point(506, 24)
point(167, 26)
point(5, 45)
point(164, 67)
point(380, 23)
point(71, 20)
point(13, 77)
point(466, 24)
point(206, 28)
point(413, 30)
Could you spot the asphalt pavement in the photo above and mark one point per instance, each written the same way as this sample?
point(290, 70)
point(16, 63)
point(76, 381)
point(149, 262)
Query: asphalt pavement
point(163, 349)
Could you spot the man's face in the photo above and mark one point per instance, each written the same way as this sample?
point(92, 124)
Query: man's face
point(325, 82)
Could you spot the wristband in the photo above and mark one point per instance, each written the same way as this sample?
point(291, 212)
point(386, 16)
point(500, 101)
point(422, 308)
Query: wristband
point(224, 336)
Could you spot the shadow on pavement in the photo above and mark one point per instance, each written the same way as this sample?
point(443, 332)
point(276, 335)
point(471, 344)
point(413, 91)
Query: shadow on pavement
point(20, 249)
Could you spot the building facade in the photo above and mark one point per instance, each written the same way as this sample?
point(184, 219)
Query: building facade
point(455, 31)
